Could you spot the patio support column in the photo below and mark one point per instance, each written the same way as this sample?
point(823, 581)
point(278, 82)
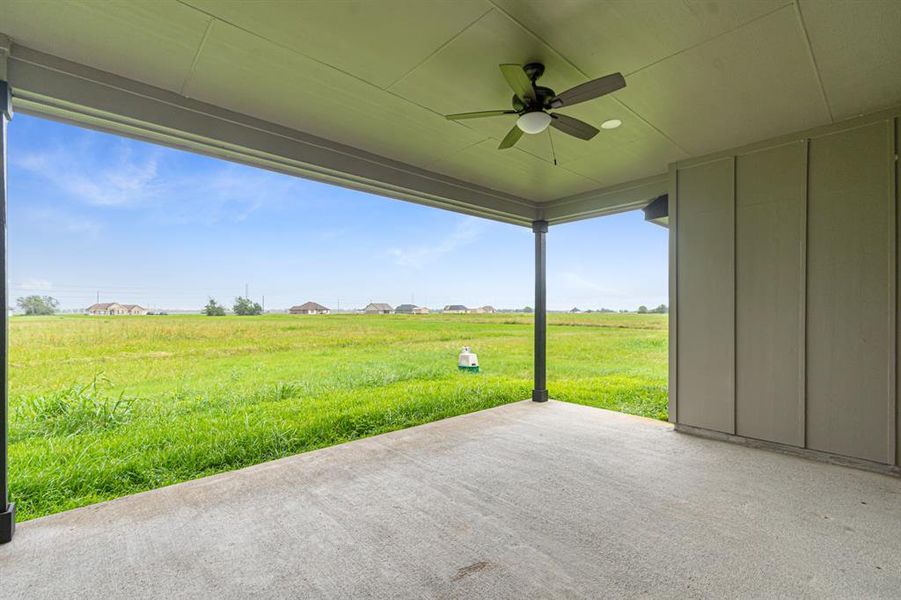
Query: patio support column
point(7, 509)
point(539, 394)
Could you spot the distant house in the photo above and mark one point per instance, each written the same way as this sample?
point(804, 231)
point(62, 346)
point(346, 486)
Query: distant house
point(485, 309)
point(106, 308)
point(309, 308)
point(114, 308)
point(378, 308)
point(411, 309)
point(457, 309)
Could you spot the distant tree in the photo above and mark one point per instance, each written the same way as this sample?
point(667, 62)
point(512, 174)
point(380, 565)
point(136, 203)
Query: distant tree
point(642, 310)
point(214, 309)
point(660, 310)
point(37, 305)
point(527, 309)
point(246, 307)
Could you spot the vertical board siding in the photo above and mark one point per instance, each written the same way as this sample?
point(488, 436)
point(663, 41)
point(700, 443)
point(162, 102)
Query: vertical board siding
point(850, 334)
point(896, 149)
point(706, 289)
point(769, 280)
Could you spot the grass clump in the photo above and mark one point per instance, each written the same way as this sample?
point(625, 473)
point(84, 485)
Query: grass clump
point(73, 410)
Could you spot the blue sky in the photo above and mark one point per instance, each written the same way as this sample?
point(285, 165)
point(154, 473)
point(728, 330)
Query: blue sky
point(91, 212)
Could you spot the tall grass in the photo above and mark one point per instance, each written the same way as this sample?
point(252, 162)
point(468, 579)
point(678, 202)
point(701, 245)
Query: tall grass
point(73, 410)
point(103, 407)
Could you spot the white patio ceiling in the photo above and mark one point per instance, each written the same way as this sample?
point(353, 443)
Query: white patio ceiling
point(371, 81)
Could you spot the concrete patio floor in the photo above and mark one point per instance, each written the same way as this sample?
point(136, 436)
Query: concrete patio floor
point(522, 501)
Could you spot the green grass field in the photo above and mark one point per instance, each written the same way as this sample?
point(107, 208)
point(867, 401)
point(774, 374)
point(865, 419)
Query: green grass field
point(107, 406)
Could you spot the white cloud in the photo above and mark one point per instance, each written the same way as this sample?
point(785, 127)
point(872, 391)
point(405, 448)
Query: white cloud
point(227, 193)
point(157, 181)
point(466, 232)
point(119, 180)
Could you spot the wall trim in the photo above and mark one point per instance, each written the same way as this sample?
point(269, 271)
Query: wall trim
point(806, 453)
point(816, 132)
point(895, 404)
point(892, 404)
point(734, 260)
point(673, 346)
point(802, 304)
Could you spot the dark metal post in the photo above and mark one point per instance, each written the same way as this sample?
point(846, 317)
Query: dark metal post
point(7, 509)
point(539, 394)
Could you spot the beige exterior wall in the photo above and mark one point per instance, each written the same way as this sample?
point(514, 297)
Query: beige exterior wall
point(784, 290)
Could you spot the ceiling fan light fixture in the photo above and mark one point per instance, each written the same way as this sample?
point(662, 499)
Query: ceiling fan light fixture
point(534, 122)
point(611, 124)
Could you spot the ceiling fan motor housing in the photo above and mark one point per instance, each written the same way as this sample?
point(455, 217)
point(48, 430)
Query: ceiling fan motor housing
point(534, 70)
point(543, 98)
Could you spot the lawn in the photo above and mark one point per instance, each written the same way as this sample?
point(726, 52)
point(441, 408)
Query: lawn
point(101, 407)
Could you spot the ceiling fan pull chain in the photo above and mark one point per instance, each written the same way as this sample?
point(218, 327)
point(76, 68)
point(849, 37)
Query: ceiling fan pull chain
point(553, 151)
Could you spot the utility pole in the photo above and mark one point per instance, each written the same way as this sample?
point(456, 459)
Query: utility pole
point(264, 303)
point(98, 296)
point(246, 292)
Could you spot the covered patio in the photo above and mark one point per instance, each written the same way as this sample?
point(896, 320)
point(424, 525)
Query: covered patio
point(521, 501)
point(764, 135)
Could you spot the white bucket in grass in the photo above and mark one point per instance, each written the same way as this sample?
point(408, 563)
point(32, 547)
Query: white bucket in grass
point(468, 360)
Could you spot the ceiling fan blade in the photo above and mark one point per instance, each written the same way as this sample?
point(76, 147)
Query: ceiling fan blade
point(573, 127)
point(479, 115)
point(589, 90)
point(519, 81)
point(511, 138)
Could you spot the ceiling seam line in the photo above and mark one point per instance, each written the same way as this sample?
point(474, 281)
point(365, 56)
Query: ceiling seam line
point(813, 59)
point(746, 23)
point(310, 58)
point(587, 76)
point(651, 125)
point(450, 40)
point(280, 45)
point(203, 39)
point(435, 161)
point(708, 40)
point(558, 165)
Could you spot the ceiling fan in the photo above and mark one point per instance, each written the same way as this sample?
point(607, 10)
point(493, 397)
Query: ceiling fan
point(532, 103)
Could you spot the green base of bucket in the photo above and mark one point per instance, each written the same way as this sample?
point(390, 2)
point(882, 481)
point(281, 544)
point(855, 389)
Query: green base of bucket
point(469, 369)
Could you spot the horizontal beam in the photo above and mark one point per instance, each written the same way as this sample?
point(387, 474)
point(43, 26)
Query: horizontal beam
point(607, 201)
point(52, 87)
